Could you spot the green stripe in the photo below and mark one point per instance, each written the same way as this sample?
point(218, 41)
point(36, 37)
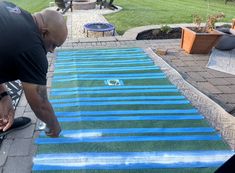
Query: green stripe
point(124, 107)
point(133, 146)
point(134, 124)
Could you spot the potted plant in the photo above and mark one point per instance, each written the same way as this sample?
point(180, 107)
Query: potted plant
point(198, 39)
point(233, 24)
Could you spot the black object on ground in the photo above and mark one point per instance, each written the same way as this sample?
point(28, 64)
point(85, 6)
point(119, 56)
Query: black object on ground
point(228, 166)
point(18, 124)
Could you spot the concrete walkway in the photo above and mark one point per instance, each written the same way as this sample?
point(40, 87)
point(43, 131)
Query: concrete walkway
point(17, 149)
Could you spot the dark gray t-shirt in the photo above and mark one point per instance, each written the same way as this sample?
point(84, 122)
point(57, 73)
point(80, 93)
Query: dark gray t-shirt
point(22, 52)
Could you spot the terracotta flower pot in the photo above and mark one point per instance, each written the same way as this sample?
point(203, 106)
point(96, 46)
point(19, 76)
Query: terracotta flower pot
point(198, 43)
point(233, 24)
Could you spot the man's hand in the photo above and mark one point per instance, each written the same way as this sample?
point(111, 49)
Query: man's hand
point(6, 113)
point(54, 131)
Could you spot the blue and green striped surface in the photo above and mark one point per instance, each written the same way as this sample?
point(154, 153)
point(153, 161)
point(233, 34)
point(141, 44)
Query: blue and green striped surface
point(142, 125)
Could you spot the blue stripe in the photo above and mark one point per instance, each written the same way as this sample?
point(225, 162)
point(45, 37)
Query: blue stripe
point(114, 87)
point(209, 153)
point(78, 99)
point(133, 118)
point(100, 62)
point(121, 78)
point(114, 91)
point(108, 69)
point(125, 112)
point(128, 139)
point(78, 59)
point(139, 130)
point(130, 166)
point(49, 159)
point(178, 102)
point(100, 51)
point(104, 56)
point(107, 75)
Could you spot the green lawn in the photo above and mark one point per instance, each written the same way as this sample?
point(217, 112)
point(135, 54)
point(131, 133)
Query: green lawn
point(152, 12)
point(32, 6)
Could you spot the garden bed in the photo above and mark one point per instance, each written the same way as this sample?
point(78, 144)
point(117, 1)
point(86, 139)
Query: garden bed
point(175, 33)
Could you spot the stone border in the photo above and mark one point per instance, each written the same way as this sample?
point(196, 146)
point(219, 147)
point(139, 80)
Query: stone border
point(215, 114)
point(84, 5)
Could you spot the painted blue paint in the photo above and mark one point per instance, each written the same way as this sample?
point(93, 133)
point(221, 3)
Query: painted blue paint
point(189, 114)
point(114, 87)
point(138, 130)
point(125, 112)
point(78, 64)
point(108, 75)
point(145, 68)
point(104, 56)
point(94, 58)
point(58, 64)
point(111, 67)
point(120, 160)
point(78, 99)
point(178, 102)
point(127, 139)
point(127, 160)
point(133, 118)
point(129, 166)
point(99, 51)
point(209, 153)
point(124, 166)
point(114, 91)
point(127, 78)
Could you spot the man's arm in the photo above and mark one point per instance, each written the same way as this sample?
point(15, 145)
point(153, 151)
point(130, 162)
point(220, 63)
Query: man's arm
point(36, 96)
point(7, 111)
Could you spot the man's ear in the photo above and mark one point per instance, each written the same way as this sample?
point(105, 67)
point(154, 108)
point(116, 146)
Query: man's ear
point(44, 32)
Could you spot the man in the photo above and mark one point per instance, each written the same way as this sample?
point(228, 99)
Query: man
point(24, 41)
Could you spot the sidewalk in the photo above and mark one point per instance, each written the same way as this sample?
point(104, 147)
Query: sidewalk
point(18, 148)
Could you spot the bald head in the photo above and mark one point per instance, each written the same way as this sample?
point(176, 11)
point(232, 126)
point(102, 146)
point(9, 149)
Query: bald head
point(54, 21)
point(52, 26)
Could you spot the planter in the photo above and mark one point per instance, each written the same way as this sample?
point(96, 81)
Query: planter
point(198, 43)
point(233, 24)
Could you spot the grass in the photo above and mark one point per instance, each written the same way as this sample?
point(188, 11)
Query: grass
point(32, 6)
point(153, 12)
